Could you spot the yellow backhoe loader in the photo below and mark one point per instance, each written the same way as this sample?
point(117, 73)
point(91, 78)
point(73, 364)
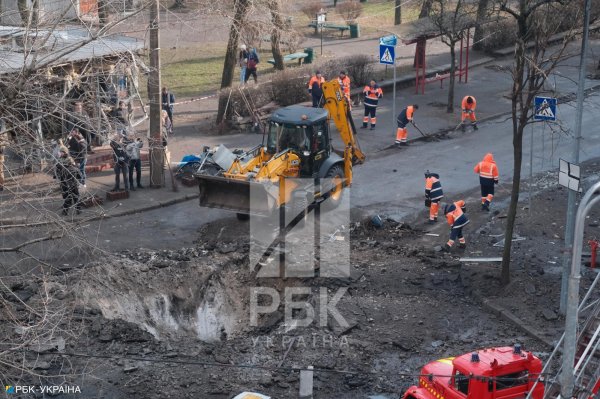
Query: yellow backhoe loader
point(298, 149)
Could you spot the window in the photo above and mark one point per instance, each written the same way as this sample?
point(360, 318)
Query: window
point(461, 382)
point(509, 380)
point(282, 137)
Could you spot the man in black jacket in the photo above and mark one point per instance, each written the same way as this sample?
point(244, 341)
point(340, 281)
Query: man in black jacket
point(121, 164)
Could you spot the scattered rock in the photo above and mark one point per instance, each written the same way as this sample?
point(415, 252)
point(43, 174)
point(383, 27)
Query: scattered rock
point(437, 344)
point(549, 314)
point(530, 289)
point(221, 359)
point(130, 368)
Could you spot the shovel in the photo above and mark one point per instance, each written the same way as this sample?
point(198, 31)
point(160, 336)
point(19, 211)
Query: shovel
point(419, 130)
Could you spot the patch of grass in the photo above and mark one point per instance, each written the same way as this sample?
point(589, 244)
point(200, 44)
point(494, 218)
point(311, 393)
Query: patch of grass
point(189, 72)
point(377, 14)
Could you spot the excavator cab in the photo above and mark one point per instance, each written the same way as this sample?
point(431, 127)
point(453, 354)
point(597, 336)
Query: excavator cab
point(303, 131)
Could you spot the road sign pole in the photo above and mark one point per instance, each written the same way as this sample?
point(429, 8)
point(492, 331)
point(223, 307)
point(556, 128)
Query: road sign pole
point(570, 225)
point(530, 168)
point(394, 94)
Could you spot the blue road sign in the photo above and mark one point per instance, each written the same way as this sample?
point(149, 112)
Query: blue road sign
point(545, 109)
point(387, 54)
point(390, 40)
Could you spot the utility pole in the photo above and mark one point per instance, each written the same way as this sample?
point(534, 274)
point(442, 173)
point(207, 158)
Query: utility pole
point(569, 228)
point(157, 151)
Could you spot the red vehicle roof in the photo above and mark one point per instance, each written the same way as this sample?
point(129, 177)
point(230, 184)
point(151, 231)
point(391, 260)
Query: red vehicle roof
point(493, 361)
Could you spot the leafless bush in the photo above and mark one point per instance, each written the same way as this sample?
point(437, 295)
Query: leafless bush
point(350, 11)
point(498, 35)
point(360, 69)
point(289, 87)
point(312, 8)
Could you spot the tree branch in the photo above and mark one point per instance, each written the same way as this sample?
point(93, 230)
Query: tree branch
point(17, 248)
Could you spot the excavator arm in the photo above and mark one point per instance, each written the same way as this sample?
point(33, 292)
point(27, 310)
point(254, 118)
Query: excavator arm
point(339, 110)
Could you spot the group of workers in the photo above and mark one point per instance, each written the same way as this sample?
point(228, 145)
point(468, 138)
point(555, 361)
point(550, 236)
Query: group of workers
point(456, 212)
point(372, 93)
point(487, 170)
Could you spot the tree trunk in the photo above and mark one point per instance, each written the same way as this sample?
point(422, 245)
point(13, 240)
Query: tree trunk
point(23, 11)
point(512, 208)
point(519, 122)
point(398, 12)
point(450, 105)
point(241, 8)
point(482, 11)
point(425, 8)
point(102, 13)
point(276, 34)
point(35, 13)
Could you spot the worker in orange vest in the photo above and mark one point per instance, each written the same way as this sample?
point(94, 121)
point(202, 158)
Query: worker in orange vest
point(488, 176)
point(433, 195)
point(345, 84)
point(372, 94)
point(315, 90)
point(457, 219)
point(405, 116)
point(468, 111)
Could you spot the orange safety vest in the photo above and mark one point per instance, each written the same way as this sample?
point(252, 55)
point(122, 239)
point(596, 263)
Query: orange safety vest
point(455, 214)
point(314, 80)
point(487, 168)
point(372, 95)
point(345, 83)
point(469, 107)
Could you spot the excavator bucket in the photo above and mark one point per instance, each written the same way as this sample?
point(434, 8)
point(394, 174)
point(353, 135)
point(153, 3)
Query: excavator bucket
point(237, 195)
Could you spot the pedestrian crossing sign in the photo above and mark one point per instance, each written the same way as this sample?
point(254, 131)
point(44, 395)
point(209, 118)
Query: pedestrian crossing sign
point(545, 109)
point(387, 54)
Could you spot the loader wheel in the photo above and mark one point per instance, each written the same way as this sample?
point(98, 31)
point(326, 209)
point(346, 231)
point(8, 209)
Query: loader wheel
point(336, 174)
point(242, 217)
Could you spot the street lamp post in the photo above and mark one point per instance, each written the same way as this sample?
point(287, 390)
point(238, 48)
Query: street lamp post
point(321, 15)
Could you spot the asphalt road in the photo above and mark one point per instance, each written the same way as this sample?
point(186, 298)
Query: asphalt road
point(391, 181)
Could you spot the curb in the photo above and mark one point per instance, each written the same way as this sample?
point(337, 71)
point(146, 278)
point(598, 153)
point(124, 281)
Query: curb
point(8, 223)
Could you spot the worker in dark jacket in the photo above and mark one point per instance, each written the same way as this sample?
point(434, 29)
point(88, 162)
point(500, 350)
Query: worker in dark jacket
point(488, 176)
point(433, 195)
point(457, 219)
point(68, 174)
point(315, 89)
point(468, 106)
point(372, 94)
point(404, 118)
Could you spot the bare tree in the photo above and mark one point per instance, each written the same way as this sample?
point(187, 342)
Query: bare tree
point(398, 12)
point(450, 19)
point(425, 8)
point(38, 91)
point(482, 13)
point(531, 67)
point(276, 30)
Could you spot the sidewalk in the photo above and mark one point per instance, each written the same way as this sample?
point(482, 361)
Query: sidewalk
point(36, 199)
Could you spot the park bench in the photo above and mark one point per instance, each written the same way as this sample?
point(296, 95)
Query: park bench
point(341, 28)
point(291, 57)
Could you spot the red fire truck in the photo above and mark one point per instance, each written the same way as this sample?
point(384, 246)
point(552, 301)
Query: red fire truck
point(495, 373)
